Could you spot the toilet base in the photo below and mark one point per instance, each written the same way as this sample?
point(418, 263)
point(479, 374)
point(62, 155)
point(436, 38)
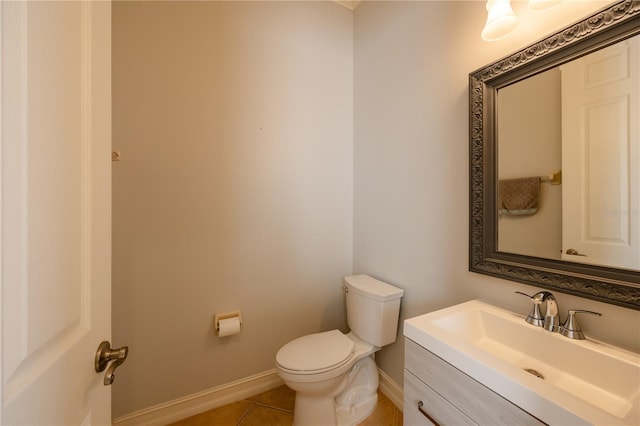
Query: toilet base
point(357, 412)
point(312, 410)
point(357, 398)
point(361, 396)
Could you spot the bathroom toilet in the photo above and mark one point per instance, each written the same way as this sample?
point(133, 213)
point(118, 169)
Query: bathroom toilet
point(334, 375)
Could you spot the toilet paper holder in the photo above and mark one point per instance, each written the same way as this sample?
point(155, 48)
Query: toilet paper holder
point(218, 317)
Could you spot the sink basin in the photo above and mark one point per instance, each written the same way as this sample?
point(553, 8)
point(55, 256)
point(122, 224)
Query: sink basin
point(568, 382)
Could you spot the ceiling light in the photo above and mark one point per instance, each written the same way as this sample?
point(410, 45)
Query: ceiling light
point(500, 20)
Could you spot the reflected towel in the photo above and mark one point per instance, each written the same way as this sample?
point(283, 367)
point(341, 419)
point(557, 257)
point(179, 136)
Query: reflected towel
point(518, 197)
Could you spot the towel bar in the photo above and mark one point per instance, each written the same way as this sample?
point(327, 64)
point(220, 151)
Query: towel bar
point(554, 178)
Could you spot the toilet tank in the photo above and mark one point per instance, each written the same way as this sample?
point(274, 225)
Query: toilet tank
point(372, 309)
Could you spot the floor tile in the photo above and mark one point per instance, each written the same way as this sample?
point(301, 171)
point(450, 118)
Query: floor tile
point(227, 415)
point(252, 399)
point(384, 414)
point(275, 408)
point(262, 416)
point(281, 397)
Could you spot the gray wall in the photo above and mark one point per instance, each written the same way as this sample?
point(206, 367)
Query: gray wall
point(235, 187)
point(269, 149)
point(412, 61)
point(530, 144)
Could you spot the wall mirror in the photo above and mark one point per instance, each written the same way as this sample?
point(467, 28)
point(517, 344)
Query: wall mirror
point(555, 161)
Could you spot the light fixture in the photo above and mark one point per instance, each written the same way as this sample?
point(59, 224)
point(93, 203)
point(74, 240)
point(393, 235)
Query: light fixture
point(536, 5)
point(500, 20)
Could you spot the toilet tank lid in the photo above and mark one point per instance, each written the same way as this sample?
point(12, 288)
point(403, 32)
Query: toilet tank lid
point(372, 288)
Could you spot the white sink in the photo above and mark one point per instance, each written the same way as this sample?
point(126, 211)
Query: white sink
point(585, 381)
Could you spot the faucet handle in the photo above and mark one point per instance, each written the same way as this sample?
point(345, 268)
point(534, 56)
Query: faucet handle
point(535, 316)
point(570, 327)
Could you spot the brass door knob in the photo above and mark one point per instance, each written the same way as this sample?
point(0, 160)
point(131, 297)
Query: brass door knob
point(106, 355)
point(574, 252)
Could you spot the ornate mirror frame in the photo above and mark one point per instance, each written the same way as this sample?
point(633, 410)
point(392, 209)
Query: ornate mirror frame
point(617, 286)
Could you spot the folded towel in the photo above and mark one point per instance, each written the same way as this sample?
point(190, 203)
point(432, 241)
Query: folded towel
point(518, 197)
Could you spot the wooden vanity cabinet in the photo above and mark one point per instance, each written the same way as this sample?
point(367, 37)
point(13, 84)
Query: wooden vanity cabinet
point(435, 392)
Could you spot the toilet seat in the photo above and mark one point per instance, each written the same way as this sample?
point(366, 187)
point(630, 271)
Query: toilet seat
point(316, 353)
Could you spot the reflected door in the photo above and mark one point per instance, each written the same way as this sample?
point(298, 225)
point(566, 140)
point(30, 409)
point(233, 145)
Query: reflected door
point(600, 157)
point(56, 192)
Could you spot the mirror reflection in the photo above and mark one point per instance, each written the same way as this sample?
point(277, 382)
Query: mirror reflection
point(569, 160)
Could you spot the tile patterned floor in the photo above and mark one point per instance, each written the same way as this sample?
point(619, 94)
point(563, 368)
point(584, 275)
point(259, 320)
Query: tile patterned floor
point(275, 408)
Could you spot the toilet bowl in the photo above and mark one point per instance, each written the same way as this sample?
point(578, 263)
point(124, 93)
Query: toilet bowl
point(334, 375)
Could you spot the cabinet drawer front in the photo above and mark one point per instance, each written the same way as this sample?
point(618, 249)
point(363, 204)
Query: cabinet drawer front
point(471, 397)
point(437, 407)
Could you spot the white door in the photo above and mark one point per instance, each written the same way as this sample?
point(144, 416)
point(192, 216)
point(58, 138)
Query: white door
point(601, 158)
point(55, 211)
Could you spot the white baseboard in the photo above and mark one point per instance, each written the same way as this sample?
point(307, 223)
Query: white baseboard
point(190, 405)
point(391, 389)
point(196, 403)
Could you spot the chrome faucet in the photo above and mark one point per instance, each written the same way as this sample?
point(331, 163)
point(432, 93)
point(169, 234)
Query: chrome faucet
point(550, 321)
point(551, 318)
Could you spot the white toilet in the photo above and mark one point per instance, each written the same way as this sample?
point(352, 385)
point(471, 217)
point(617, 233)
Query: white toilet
point(334, 375)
